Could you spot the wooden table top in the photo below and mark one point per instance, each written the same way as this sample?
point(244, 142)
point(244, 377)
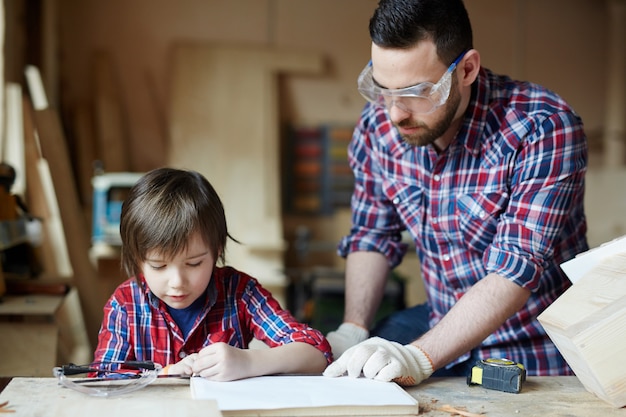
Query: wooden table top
point(540, 396)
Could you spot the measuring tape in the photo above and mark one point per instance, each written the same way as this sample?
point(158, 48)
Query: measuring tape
point(498, 374)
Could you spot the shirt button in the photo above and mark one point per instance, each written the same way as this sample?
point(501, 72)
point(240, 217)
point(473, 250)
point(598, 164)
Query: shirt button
point(446, 257)
point(396, 200)
point(182, 355)
point(437, 177)
point(434, 220)
point(482, 214)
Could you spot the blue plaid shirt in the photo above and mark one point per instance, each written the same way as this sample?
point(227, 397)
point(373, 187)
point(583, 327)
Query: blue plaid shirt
point(506, 197)
point(138, 326)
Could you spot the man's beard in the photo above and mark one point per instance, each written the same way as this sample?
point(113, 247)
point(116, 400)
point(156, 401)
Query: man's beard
point(429, 135)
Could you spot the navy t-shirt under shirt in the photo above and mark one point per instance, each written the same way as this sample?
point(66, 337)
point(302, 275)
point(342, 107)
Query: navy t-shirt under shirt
point(186, 317)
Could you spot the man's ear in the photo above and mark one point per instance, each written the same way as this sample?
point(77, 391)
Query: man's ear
point(469, 67)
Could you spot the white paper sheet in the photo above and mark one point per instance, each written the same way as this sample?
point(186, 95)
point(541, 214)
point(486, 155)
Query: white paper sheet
point(274, 392)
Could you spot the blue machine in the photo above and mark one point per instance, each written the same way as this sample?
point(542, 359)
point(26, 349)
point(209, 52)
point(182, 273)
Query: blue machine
point(109, 192)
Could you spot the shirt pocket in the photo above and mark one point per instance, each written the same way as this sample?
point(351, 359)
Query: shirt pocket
point(478, 216)
point(408, 199)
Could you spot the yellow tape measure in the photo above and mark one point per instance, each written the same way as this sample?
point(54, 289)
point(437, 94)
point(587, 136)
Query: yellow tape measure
point(498, 374)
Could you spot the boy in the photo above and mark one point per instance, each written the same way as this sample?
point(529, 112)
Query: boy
point(183, 311)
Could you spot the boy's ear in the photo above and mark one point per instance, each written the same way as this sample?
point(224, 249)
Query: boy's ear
point(469, 67)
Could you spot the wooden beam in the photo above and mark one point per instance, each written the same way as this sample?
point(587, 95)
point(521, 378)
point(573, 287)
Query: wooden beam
point(54, 150)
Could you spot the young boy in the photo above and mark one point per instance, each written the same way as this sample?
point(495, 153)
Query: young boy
point(183, 311)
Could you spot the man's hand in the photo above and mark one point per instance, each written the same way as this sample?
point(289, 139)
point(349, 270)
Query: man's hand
point(346, 336)
point(182, 367)
point(383, 360)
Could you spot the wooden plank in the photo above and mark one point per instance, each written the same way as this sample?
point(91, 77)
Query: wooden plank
point(86, 154)
point(54, 150)
point(587, 323)
point(224, 124)
point(30, 305)
point(109, 116)
point(74, 346)
point(13, 149)
point(42, 203)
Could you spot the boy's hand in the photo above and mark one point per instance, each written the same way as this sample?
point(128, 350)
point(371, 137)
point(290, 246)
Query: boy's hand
point(222, 362)
point(381, 359)
point(183, 367)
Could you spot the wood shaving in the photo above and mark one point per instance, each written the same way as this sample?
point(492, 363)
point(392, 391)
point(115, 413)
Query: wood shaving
point(449, 409)
point(3, 408)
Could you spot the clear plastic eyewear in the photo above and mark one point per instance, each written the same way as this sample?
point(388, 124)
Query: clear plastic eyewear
point(114, 378)
point(420, 98)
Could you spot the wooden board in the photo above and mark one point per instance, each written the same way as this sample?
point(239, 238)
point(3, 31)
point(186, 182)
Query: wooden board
point(54, 150)
point(587, 323)
point(13, 146)
point(42, 203)
point(109, 116)
point(224, 123)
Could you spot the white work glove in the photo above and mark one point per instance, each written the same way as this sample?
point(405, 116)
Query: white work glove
point(346, 336)
point(381, 359)
point(182, 367)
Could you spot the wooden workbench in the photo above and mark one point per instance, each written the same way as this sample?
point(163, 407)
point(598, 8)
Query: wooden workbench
point(541, 396)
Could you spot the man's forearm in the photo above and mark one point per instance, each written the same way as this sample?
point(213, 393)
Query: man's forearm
point(480, 312)
point(366, 276)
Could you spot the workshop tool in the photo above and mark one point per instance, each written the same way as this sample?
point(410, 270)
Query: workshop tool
point(498, 374)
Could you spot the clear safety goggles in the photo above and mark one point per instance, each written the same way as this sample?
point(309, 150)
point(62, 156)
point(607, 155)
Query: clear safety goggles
point(420, 98)
point(114, 378)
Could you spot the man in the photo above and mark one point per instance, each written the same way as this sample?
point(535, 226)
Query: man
point(485, 173)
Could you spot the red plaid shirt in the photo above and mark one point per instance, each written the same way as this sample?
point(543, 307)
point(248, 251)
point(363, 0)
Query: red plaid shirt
point(137, 325)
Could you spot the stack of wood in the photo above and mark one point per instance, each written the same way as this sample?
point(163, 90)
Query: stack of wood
point(588, 322)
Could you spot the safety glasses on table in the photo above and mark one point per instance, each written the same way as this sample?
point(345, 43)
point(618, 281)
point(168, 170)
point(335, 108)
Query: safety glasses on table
point(112, 378)
point(420, 98)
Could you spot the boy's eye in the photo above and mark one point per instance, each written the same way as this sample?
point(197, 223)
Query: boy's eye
point(195, 264)
point(157, 267)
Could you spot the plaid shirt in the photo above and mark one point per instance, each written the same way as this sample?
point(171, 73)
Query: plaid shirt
point(137, 325)
point(506, 197)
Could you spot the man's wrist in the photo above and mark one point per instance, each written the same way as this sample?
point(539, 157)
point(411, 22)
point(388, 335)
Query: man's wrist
point(423, 358)
point(361, 326)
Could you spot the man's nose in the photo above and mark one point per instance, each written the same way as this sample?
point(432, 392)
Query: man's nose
point(397, 112)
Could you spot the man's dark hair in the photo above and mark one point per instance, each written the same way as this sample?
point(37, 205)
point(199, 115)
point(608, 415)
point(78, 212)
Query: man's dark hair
point(404, 23)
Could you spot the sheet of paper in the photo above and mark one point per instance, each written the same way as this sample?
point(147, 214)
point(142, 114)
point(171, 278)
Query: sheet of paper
point(274, 392)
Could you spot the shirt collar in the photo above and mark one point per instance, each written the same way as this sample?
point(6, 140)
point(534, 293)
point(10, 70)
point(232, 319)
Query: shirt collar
point(471, 133)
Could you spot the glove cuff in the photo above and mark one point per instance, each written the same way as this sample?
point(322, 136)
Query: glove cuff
point(422, 358)
point(353, 331)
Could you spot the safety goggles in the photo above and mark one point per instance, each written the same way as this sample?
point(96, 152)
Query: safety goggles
point(113, 378)
point(420, 98)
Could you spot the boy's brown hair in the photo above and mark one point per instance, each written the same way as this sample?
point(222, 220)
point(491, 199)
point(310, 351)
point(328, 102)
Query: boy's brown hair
point(163, 209)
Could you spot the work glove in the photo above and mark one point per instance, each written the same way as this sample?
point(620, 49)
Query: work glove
point(346, 336)
point(383, 360)
point(182, 367)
